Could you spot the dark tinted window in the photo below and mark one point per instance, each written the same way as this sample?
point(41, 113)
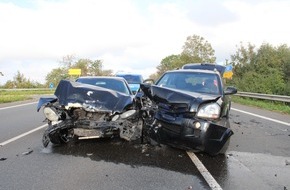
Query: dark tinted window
point(207, 83)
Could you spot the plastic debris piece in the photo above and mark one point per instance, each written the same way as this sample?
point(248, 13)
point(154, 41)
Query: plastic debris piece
point(287, 162)
point(28, 152)
point(2, 159)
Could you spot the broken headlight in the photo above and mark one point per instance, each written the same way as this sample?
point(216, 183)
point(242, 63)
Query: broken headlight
point(127, 114)
point(51, 113)
point(211, 111)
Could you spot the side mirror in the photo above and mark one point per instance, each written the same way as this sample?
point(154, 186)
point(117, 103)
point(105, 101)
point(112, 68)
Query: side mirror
point(149, 81)
point(230, 90)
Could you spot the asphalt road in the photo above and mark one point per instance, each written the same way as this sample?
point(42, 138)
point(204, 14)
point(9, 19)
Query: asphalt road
point(258, 157)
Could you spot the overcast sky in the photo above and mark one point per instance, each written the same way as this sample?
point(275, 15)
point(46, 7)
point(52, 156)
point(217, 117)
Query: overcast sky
point(129, 35)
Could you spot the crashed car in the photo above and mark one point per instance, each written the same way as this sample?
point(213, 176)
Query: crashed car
point(91, 107)
point(189, 109)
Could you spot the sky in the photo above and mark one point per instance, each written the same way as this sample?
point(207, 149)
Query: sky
point(129, 35)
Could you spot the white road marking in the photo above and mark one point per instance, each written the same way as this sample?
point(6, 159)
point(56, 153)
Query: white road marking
point(18, 105)
point(22, 135)
point(204, 172)
point(260, 116)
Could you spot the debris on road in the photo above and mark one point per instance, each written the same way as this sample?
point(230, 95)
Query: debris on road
point(27, 152)
point(287, 162)
point(2, 159)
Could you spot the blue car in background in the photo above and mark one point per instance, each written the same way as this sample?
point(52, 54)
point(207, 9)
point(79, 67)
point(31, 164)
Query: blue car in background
point(134, 81)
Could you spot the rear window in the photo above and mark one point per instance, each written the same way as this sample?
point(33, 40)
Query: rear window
point(207, 83)
point(112, 84)
point(132, 79)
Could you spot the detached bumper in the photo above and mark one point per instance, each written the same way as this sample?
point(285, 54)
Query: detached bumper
point(190, 134)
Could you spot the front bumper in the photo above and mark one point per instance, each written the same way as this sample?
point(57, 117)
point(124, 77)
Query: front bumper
point(187, 133)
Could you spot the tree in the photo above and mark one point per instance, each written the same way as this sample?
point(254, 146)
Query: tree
point(197, 50)
point(88, 68)
point(20, 81)
point(263, 70)
point(56, 75)
point(168, 63)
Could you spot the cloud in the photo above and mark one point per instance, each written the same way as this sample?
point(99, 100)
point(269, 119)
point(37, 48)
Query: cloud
point(129, 35)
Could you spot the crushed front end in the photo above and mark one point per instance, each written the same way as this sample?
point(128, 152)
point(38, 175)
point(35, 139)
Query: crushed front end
point(176, 120)
point(81, 111)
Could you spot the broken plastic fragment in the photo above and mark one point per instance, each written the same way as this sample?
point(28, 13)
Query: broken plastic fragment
point(28, 152)
point(2, 159)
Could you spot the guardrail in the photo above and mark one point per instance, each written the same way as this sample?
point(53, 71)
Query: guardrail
point(264, 96)
point(25, 89)
point(243, 94)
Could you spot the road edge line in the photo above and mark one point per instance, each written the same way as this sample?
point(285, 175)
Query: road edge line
point(22, 135)
point(19, 105)
point(204, 172)
point(260, 116)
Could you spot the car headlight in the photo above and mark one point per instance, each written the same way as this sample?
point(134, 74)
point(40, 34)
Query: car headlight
point(50, 113)
point(209, 111)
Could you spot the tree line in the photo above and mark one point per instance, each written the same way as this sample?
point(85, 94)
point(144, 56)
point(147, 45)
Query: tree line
point(264, 69)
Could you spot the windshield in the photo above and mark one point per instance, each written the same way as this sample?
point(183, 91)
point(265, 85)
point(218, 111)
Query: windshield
point(207, 83)
point(112, 84)
point(132, 79)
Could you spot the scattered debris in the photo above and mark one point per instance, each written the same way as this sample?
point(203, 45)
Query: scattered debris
point(89, 154)
point(2, 159)
point(287, 162)
point(237, 122)
point(107, 175)
point(27, 152)
point(228, 155)
point(275, 175)
point(237, 145)
point(147, 155)
point(285, 188)
point(190, 187)
point(180, 156)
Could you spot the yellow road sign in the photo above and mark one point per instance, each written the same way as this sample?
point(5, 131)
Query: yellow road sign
point(228, 74)
point(74, 71)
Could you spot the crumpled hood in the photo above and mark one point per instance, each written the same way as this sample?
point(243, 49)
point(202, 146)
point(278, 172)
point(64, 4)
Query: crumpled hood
point(94, 97)
point(173, 96)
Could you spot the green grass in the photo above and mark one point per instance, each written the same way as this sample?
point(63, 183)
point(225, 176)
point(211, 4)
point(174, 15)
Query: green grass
point(13, 96)
point(264, 104)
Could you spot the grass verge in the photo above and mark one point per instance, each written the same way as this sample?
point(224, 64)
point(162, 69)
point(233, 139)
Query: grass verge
point(264, 104)
point(14, 96)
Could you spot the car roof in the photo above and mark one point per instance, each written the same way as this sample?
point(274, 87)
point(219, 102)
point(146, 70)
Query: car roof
point(205, 66)
point(193, 71)
point(102, 77)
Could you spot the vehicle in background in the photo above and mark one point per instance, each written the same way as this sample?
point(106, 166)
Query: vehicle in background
point(134, 81)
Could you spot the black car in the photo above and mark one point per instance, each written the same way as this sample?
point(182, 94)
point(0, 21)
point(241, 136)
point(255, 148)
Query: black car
point(189, 109)
point(91, 107)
